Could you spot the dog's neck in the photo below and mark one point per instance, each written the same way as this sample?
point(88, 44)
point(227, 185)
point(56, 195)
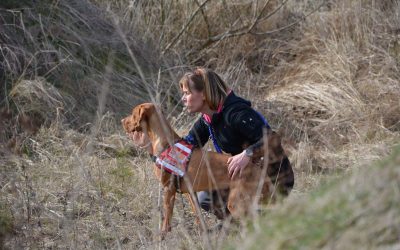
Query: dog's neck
point(160, 133)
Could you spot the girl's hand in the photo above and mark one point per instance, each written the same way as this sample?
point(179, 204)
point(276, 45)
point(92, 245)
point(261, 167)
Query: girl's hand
point(237, 163)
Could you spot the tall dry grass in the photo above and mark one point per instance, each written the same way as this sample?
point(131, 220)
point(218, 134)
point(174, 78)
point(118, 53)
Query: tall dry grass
point(340, 92)
point(326, 75)
point(70, 44)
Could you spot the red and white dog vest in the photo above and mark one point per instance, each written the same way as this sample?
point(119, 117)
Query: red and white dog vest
point(175, 159)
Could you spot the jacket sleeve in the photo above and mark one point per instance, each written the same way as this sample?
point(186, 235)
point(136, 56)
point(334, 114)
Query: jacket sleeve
point(199, 134)
point(248, 123)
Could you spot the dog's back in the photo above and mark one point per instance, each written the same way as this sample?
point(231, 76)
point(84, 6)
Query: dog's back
point(207, 171)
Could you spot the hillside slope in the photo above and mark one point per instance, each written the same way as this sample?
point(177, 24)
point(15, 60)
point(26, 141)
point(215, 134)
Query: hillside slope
point(359, 210)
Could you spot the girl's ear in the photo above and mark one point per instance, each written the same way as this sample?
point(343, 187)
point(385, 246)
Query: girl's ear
point(203, 95)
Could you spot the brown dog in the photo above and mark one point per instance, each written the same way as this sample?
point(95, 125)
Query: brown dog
point(206, 170)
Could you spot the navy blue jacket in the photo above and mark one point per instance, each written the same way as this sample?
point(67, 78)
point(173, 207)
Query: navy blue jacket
point(237, 124)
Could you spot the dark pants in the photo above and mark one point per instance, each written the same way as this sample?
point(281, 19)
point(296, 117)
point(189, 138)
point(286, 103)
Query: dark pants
point(214, 202)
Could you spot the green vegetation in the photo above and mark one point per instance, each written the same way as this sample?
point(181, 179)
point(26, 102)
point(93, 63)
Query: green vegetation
point(357, 210)
point(6, 223)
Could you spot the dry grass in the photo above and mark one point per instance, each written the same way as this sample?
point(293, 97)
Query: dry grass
point(330, 82)
point(334, 91)
point(91, 192)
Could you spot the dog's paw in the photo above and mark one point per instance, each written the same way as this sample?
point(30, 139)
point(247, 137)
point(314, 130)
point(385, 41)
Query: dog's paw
point(163, 235)
point(164, 232)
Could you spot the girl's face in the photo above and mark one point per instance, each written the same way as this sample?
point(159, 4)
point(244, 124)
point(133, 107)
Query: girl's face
point(193, 100)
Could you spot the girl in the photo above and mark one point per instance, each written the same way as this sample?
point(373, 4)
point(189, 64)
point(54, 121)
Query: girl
point(230, 122)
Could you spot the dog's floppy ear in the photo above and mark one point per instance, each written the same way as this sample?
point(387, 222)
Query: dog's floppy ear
point(275, 143)
point(272, 141)
point(143, 112)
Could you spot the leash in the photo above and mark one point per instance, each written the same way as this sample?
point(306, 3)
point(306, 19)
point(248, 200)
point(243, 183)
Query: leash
point(214, 140)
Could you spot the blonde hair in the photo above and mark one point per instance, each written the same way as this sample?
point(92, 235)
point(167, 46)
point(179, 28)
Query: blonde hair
point(202, 79)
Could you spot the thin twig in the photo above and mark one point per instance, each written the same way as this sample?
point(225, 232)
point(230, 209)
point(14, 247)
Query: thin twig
point(205, 18)
point(244, 29)
point(184, 27)
point(275, 10)
point(289, 25)
point(249, 28)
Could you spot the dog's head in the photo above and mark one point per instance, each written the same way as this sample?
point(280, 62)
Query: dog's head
point(272, 146)
point(279, 168)
point(273, 140)
point(140, 114)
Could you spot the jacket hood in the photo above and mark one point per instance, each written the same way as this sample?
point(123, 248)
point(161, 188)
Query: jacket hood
point(231, 102)
point(234, 100)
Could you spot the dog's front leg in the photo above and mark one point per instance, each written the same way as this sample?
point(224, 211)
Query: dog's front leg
point(168, 207)
point(195, 207)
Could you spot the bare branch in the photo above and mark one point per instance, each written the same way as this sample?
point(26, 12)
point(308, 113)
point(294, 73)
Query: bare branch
point(242, 30)
point(275, 10)
point(248, 29)
point(255, 21)
point(205, 18)
point(184, 27)
point(289, 25)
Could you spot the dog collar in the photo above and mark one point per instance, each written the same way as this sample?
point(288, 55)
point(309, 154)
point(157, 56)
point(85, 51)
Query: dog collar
point(153, 158)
